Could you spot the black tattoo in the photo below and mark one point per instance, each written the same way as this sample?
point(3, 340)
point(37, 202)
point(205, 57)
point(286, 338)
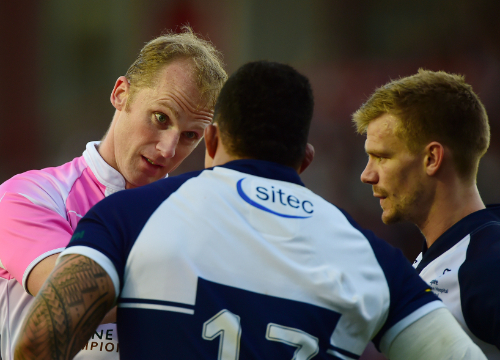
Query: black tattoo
point(66, 311)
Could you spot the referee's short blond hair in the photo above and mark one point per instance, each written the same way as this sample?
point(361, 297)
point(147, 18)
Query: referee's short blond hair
point(209, 67)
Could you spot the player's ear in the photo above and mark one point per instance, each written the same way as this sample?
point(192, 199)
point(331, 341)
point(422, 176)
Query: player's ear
point(308, 158)
point(119, 94)
point(434, 156)
point(211, 137)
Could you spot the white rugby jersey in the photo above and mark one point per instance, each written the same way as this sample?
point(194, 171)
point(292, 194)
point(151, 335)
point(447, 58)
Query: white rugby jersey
point(463, 269)
point(242, 261)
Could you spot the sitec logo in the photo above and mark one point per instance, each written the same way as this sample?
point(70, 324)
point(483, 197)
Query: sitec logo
point(274, 200)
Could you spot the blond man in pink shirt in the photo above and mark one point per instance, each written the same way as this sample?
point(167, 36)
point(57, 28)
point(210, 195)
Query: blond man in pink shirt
point(163, 104)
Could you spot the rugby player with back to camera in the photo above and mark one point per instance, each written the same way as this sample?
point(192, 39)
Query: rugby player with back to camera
point(241, 260)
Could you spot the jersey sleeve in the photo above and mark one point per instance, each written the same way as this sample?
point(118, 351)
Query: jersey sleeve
point(434, 336)
point(410, 297)
point(29, 233)
point(479, 290)
point(97, 237)
point(108, 231)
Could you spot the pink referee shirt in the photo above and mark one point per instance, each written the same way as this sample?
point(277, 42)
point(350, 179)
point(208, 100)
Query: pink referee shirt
point(39, 211)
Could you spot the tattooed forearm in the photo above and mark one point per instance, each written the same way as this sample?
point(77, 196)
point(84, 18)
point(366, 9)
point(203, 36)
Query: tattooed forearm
point(66, 311)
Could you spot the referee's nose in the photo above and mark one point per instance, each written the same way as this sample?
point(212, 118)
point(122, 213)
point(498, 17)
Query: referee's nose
point(168, 143)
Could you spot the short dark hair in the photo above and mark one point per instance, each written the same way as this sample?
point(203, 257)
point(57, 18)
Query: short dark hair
point(264, 112)
point(433, 106)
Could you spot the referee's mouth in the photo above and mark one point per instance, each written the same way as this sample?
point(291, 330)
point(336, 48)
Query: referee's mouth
point(151, 162)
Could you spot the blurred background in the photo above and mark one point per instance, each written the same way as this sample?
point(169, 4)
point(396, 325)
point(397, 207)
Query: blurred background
point(59, 60)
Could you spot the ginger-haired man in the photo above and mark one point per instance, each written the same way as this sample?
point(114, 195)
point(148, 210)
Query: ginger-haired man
point(425, 136)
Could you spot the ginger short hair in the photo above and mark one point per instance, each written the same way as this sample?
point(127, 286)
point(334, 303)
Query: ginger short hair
point(209, 67)
point(433, 106)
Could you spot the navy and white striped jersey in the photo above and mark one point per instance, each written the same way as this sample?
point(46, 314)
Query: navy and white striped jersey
point(463, 269)
point(242, 261)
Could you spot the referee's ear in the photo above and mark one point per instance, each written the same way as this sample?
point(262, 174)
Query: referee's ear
point(211, 143)
point(119, 94)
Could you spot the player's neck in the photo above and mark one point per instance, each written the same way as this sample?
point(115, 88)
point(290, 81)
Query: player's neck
point(452, 203)
point(223, 157)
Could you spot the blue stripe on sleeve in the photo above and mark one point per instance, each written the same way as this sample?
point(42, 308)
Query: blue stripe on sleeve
point(408, 291)
point(113, 225)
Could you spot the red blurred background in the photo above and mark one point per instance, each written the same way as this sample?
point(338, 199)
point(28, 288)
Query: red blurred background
point(59, 60)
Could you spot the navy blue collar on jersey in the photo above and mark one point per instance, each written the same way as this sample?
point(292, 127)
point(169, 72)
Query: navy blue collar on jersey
point(457, 232)
point(266, 169)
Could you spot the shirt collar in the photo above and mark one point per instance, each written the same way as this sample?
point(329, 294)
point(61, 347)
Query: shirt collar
point(266, 169)
point(457, 232)
point(104, 173)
